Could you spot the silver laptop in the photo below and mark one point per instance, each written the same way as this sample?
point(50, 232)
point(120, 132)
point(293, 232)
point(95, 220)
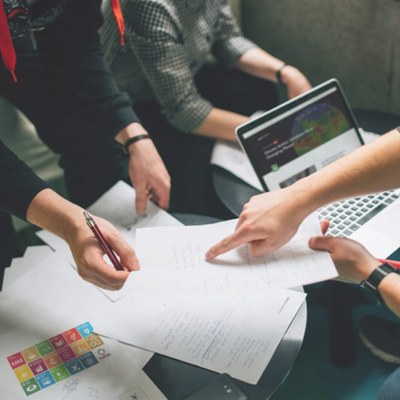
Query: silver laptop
point(302, 136)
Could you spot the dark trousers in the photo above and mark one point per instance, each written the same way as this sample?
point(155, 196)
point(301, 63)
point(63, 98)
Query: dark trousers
point(187, 156)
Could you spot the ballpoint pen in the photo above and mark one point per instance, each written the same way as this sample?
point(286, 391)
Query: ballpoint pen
point(102, 241)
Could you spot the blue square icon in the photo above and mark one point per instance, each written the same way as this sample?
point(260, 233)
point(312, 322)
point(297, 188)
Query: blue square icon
point(74, 366)
point(85, 329)
point(45, 379)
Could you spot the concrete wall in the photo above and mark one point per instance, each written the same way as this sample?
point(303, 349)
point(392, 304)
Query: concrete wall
point(355, 41)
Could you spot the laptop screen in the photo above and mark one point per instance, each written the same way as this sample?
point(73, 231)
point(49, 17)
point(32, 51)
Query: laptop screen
point(300, 136)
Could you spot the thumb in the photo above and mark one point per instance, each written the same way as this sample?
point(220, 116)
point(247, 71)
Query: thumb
point(321, 243)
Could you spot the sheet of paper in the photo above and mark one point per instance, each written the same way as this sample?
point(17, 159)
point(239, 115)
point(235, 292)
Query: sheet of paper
point(51, 297)
point(221, 332)
point(21, 266)
point(183, 249)
point(231, 157)
point(118, 207)
point(208, 333)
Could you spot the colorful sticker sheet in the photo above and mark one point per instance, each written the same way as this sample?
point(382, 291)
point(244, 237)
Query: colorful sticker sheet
point(57, 358)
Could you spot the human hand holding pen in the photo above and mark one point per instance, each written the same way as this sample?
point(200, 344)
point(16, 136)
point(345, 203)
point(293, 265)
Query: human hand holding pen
point(50, 211)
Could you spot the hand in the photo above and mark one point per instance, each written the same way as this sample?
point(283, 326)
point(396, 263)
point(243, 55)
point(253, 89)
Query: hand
point(148, 175)
point(296, 83)
point(353, 262)
point(267, 222)
point(88, 256)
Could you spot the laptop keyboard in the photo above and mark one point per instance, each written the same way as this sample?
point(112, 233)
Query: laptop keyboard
point(349, 215)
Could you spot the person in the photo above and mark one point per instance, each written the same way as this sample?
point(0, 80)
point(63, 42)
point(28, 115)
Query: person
point(25, 195)
point(67, 91)
point(53, 70)
point(269, 220)
point(185, 101)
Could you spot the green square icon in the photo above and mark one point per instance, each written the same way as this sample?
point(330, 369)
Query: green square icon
point(30, 386)
point(274, 167)
point(44, 348)
point(60, 372)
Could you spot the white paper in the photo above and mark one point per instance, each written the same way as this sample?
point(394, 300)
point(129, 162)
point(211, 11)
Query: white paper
point(118, 207)
point(231, 157)
point(225, 333)
point(183, 249)
point(116, 376)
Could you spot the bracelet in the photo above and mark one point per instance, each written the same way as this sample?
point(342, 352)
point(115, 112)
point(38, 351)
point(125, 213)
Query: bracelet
point(125, 146)
point(278, 73)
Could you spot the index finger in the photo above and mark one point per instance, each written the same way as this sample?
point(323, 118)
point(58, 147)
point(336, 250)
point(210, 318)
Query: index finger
point(229, 243)
point(141, 199)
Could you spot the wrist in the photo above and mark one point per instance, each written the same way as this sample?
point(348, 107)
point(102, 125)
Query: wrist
point(129, 137)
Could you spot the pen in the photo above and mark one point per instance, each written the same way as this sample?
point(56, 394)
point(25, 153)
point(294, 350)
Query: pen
point(393, 263)
point(102, 241)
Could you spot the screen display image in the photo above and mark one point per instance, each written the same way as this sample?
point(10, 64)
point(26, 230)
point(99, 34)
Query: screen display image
point(301, 139)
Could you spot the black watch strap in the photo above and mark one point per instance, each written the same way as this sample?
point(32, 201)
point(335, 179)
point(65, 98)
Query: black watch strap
point(125, 146)
point(370, 285)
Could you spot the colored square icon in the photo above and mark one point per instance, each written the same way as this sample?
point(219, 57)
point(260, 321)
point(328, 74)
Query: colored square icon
point(88, 360)
point(16, 360)
point(58, 341)
point(30, 386)
point(23, 373)
point(52, 360)
point(59, 373)
point(94, 341)
point(74, 366)
point(72, 335)
point(30, 354)
point(80, 347)
point(38, 366)
point(85, 329)
point(66, 353)
point(45, 379)
point(44, 348)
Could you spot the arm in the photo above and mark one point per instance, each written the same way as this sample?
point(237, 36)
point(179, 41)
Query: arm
point(232, 49)
point(73, 44)
point(159, 50)
point(24, 194)
point(259, 63)
point(65, 219)
point(354, 264)
point(269, 220)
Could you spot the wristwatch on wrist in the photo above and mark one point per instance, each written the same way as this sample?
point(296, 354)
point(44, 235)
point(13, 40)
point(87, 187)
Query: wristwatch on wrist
point(370, 285)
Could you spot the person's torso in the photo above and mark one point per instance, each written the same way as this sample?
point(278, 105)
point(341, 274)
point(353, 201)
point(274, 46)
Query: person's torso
point(195, 26)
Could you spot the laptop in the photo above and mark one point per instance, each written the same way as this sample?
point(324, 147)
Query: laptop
point(304, 134)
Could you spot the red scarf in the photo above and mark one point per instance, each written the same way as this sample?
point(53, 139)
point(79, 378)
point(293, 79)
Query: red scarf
point(7, 51)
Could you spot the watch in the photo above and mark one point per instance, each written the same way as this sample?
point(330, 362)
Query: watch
point(370, 285)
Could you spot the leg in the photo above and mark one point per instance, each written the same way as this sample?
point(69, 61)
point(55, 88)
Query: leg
point(235, 91)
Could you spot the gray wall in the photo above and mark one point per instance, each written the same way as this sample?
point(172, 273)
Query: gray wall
point(356, 41)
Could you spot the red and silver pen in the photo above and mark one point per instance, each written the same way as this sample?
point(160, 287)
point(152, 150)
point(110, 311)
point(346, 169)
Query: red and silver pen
point(102, 241)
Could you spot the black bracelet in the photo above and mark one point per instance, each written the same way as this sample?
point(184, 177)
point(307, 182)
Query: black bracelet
point(278, 73)
point(125, 146)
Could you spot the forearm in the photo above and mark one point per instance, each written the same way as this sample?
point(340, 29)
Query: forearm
point(258, 62)
point(372, 168)
point(389, 289)
point(50, 211)
point(221, 124)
